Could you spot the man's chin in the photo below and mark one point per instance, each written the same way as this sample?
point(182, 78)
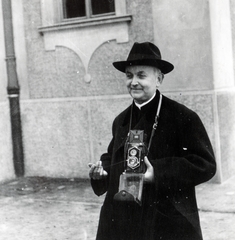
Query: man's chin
point(137, 98)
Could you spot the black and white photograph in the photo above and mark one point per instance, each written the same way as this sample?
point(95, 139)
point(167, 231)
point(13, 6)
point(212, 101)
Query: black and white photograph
point(117, 119)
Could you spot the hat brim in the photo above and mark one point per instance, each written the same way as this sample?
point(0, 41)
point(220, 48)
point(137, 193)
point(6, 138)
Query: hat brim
point(164, 66)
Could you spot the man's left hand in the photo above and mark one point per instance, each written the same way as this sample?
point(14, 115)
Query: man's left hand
point(149, 174)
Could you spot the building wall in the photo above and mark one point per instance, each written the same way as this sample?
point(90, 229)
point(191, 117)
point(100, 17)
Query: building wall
point(196, 36)
point(186, 40)
point(228, 104)
point(70, 92)
point(184, 35)
point(66, 119)
point(6, 158)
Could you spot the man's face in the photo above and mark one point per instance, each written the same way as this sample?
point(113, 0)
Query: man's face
point(142, 81)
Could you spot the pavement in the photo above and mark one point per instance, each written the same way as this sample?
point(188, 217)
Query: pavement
point(38, 208)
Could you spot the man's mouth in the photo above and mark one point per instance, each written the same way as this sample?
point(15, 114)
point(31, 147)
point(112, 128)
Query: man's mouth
point(136, 89)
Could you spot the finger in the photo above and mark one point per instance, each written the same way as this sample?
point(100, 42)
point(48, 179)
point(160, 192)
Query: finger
point(105, 173)
point(95, 173)
point(98, 170)
point(147, 163)
point(93, 167)
point(97, 167)
point(91, 173)
point(98, 175)
point(92, 170)
point(102, 173)
point(98, 164)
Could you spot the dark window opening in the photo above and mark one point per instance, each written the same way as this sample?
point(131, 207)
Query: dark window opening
point(87, 8)
point(74, 8)
point(102, 6)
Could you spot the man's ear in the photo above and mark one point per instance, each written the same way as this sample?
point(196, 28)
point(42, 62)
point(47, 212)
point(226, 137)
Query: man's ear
point(159, 79)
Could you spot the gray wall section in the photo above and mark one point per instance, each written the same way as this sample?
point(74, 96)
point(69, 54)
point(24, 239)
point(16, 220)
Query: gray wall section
point(6, 158)
point(232, 8)
point(56, 138)
point(66, 121)
point(182, 31)
point(226, 118)
point(62, 136)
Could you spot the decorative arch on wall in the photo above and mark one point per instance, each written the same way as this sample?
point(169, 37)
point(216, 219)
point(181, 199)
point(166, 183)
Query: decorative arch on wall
point(82, 36)
point(105, 79)
point(85, 41)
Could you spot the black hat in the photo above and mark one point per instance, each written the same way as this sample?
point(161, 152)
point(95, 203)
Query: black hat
point(144, 54)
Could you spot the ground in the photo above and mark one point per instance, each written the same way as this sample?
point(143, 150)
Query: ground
point(59, 209)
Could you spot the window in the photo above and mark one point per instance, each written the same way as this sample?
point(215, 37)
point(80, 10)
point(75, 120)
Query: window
point(63, 15)
point(87, 8)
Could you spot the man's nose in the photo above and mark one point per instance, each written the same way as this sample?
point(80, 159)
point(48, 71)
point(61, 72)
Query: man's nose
point(134, 81)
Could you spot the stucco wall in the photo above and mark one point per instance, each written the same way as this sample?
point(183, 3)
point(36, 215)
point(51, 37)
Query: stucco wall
point(60, 73)
point(67, 121)
point(182, 31)
point(196, 38)
point(226, 123)
point(6, 159)
point(232, 4)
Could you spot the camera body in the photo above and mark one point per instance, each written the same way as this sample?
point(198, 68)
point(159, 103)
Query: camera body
point(132, 179)
point(135, 151)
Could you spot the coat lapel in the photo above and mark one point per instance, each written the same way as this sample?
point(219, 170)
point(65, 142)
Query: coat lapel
point(145, 123)
point(121, 137)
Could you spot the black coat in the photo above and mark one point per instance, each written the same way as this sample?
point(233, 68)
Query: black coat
point(182, 157)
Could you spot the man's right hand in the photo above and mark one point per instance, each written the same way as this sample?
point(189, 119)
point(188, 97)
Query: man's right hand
point(96, 171)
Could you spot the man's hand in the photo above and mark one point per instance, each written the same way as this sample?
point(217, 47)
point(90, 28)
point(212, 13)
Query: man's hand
point(149, 174)
point(96, 171)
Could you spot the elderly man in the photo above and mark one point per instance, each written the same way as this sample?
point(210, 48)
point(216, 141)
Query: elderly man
point(179, 157)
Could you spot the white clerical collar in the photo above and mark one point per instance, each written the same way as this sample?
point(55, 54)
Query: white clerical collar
point(144, 103)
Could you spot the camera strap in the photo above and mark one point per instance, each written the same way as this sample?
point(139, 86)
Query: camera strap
point(156, 122)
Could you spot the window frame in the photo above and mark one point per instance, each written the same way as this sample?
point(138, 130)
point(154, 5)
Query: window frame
point(52, 17)
point(88, 11)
